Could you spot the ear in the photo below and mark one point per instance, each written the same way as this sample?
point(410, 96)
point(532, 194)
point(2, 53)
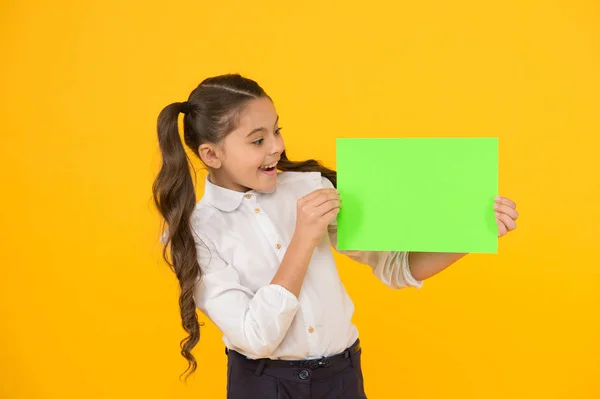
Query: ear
point(211, 155)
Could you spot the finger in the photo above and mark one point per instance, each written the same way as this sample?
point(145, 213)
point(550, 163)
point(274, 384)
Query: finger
point(318, 193)
point(508, 222)
point(502, 230)
point(505, 201)
point(331, 214)
point(322, 198)
point(327, 207)
point(512, 212)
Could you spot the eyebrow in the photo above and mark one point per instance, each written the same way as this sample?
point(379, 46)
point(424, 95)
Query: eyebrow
point(258, 129)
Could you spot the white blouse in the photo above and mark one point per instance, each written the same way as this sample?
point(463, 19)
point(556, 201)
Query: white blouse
point(241, 239)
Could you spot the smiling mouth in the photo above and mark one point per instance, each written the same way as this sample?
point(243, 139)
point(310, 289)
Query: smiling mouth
point(270, 167)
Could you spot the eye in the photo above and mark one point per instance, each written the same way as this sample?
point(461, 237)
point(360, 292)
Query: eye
point(258, 142)
point(278, 131)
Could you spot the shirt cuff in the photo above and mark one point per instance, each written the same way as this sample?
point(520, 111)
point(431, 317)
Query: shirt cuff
point(278, 294)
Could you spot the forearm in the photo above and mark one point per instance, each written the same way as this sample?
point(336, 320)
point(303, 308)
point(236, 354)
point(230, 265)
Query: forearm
point(427, 264)
point(292, 269)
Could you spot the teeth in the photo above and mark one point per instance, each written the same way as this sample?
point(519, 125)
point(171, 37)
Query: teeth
point(269, 166)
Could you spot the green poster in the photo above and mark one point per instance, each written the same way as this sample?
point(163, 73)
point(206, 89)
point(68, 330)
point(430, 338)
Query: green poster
point(418, 194)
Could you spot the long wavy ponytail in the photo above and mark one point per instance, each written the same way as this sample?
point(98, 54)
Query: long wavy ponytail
point(175, 198)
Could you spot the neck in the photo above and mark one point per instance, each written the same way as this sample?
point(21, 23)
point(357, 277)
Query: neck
point(218, 179)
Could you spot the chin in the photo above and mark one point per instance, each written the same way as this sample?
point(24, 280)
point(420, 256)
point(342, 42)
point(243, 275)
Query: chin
point(266, 186)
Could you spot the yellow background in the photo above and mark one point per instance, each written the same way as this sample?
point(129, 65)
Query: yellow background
point(89, 311)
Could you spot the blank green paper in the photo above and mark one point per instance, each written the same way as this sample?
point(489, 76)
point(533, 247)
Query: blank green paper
point(418, 194)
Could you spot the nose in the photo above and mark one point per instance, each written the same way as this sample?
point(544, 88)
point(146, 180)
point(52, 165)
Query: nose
point(278, 145)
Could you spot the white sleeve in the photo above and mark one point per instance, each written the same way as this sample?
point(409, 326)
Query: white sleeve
point(254, 322)
point(390, 267)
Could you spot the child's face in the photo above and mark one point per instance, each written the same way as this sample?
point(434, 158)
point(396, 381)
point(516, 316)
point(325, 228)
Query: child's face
point(253, 145)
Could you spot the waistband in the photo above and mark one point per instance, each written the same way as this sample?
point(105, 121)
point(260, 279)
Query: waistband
point(320, 366)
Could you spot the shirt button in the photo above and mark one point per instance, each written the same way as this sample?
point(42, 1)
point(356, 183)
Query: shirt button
point(304, 374)
point(311, 330)
point(248, 196)
point(278, 246)
point(256, 210)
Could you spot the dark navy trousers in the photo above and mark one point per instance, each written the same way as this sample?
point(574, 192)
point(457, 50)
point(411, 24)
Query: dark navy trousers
point(336, 377)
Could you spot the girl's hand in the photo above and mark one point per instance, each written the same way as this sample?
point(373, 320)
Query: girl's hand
point(506, 215)
point(315, 211)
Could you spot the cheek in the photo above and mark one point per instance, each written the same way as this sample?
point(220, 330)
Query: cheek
point(246, 161)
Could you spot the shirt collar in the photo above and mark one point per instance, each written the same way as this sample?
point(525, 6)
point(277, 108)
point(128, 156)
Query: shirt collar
point(222, 198)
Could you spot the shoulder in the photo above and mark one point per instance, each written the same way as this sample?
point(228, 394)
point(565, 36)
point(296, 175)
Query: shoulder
point(198, 222)
point(302, 181)
point(298, 177)
point(203, 220)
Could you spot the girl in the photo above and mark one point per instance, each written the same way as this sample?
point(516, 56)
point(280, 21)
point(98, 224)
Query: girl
point(254, 253)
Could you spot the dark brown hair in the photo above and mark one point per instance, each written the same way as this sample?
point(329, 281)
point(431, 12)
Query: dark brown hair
point(210, 113)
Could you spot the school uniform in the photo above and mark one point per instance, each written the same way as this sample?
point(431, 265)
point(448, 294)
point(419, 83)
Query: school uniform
point(280, 345)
